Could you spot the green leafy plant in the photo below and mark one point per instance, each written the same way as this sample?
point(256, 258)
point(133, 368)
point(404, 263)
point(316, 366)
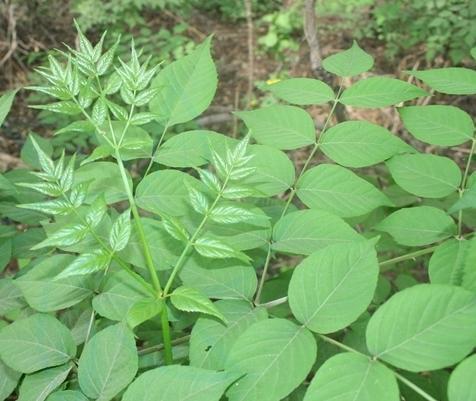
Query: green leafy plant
point(139, 281)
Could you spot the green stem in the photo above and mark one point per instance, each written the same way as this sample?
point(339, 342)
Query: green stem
point(160, 347)
point(164, 319)
point(408, 256)
point(273, 303)
point(403, 379)
point(263, 275)
point(462, 187)
point(151, 161)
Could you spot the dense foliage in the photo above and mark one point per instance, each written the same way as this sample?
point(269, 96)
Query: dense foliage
point(150, 281)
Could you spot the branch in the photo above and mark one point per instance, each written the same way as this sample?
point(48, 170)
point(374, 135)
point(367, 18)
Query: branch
point(310, 32)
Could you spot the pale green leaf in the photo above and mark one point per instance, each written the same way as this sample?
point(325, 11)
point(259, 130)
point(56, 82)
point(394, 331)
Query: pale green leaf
point(461, 386)
point(37, 386)
point(453, 263)
point(438, 124)
point(36, 342)
point(212, 340)
point(306, 231)
point(425, 175)
point(11, 297)
point(64, 237)
point(302, 91)
point(451, 80)
point(377, 92)
point(143, 310)
point(179, 383)
point(353, 377)
point(331, 288)
point(282, 127)
point(361, 144)
point(424, 327)
point(189, 299)
point(350, 62)
point(275, 355)
point(121, 231)
point(338, 190)
point(467, 201)
point(86, 263)
point(187, 86)
point(8, 380)
point(6, 101)
point(67, 395)
point(417, 226)
point(108, 363)
point(215, 248)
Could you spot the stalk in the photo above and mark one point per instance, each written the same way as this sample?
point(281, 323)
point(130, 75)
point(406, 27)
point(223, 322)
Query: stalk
point(462, 187)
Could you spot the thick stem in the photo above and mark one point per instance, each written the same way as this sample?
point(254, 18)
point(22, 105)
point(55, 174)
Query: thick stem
point(164, 319)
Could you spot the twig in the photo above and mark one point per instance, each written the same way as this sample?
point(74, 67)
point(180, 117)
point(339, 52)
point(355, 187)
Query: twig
point(310, 32)
point(12, 23)
point(249, 23)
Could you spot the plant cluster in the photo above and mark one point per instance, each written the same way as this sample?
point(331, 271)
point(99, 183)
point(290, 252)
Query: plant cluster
point(171, 279)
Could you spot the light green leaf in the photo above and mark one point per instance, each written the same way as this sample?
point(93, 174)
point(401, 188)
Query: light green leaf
point(338, 190)
point(306, 231)
point(11, 297)
point(438, 124)
point(85, 264)
point(211, 340)
point(424, 327)
point(218, 278)
point(215, 248)
point(101, 152)
point(461, 386)
point(361, 144)
point(230, 214)
point(121, 231)
point(64, 237)
point(353, 377)
point(467, 201)
point(473, 52)
point(36, 342)
point(302, 91)
point(165, 191)
point(353, 61)
point(417, 226)
point(6, 101)
point(377, 92)
point(282, 127)
point(191, 300)
point(331, 288)
point(45, 294)
point(38, 386)
point(8, 380)
point(425, 175)
point(108, 363)
point(452, 80)
point(67, 395)
point(143, 310)
point(453, 263)
point(179, 383)
point(118, 296)
point(275, 355)
point(175, 228)
point(187, 86)
point(198, 200)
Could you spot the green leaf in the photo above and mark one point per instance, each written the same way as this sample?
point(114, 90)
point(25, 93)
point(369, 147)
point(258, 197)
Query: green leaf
point(338, 190)
point(331, 288)
point(218, 278)
point(6, 101)
point(179, 383)
point(438, 124)
point(353, 377)
point(360, 144)
point(64, 237)
point(453, 263)
point(461, 386)
point(302, 91)
point(36, 342)
point(8, 380)
point(353, 61)
point(119, 294)
point(187, 86)
point(45, 294)
point(467, 201)
point(282, 127)
point(121, 231)
point(424, 327)
point(275, 356)
point(473, 52)
point(198, 200)
point(452, 80)
point(67, 395)
point(42, 155)
point(166, 191)
point(175, 228)
point(11, 297)
point(306, 231)
point(377, 92)
point(425, 175)
point(212, 340)
point(230, 214)
point(38, 386)
point(191, 300)
point(215, 248)
point(85, 264)
point(108, 363)
point(143, 310)
point(417, 226)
